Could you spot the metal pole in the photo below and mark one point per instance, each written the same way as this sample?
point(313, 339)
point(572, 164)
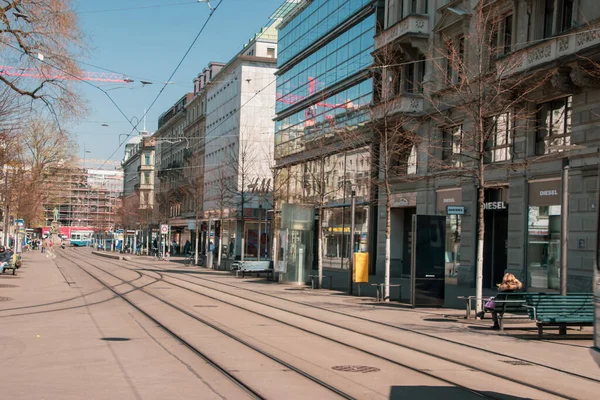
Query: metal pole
point(564, 227)
point(597, 260)
point(351, 263)
point(259, 223)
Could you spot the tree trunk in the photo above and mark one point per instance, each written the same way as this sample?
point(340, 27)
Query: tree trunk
point(220, 244)
point(480, 236)
point(388, 232)
point(320, 244)
point(197, 244)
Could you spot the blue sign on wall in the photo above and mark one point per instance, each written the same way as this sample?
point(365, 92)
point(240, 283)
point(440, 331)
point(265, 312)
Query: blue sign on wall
point(455, 210)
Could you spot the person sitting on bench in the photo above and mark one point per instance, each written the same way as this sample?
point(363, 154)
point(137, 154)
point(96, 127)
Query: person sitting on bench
point(509, 284)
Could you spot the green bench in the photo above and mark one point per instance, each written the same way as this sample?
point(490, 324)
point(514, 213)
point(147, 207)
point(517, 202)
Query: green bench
point(575, 309)
point(510, 303)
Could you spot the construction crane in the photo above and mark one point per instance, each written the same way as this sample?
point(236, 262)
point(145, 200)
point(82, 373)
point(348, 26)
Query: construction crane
point(52, 73)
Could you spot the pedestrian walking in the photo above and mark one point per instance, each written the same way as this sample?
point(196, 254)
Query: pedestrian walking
point(509, 284)
point(187, 247)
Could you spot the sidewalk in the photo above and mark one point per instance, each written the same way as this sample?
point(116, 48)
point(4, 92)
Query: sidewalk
point(519, 339)
point(64, 336)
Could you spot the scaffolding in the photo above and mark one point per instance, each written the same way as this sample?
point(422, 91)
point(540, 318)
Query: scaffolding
point(83, 198)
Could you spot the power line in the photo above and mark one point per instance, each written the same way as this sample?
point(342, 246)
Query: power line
point(137, 8)
point(73, 76)
point(212, 11)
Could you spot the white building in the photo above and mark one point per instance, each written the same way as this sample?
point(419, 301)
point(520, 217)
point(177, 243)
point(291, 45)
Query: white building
point(240, 107)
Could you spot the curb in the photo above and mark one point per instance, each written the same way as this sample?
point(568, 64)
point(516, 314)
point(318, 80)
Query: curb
point(109, 255)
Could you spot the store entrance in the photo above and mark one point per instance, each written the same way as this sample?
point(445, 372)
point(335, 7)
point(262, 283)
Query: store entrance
point(495, 239)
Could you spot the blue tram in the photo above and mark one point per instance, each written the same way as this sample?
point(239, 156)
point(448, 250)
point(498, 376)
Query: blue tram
point(81, 238)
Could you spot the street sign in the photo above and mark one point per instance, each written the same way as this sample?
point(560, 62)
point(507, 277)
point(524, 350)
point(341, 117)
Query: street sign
point(20, 222)
point(164, 229)
point(455, 210)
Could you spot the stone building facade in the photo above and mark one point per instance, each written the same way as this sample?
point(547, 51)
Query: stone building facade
point(549, 50)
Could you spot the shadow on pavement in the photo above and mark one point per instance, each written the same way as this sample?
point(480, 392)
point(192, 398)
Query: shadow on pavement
point(442, 392)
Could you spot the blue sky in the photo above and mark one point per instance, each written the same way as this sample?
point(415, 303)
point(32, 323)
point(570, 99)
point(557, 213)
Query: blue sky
point(147, 43)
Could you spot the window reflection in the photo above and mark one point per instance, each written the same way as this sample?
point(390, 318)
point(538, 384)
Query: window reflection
point(317, 124)
point(312, 23)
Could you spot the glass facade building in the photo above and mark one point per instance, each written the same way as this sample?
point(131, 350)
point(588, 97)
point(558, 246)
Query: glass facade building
point(324, 85)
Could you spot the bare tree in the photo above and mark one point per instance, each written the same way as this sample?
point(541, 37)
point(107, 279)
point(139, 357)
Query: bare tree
point(243, 169)
point(43, 151)
point(40, 41)
point(477, 101)
point(194, 188)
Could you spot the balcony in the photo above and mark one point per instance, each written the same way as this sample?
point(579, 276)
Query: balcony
point(406, 103)
point(405, 29)
point(548, 51)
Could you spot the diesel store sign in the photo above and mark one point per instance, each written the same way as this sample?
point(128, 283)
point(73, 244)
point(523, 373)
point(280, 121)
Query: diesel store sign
point(545, 193)
point(448, 197)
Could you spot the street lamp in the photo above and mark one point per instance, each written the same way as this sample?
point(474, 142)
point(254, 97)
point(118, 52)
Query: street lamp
point(84, 153)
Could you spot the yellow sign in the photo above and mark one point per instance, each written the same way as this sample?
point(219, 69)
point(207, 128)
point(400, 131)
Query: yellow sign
point(361, 268)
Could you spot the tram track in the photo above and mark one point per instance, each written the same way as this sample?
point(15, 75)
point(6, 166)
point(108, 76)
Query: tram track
point(246, 387)
point(523, 383)
point(369, 320)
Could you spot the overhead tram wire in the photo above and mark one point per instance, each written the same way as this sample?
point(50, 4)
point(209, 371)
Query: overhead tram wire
point(138, 7)
point(212, 11)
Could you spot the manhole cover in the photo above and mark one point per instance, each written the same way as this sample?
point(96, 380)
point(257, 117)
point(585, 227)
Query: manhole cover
point(204, 306)
point(439, 320)
point(4, 298)
point(355, 368)
point(115, 339)
point(516, 362)
point(4, 285)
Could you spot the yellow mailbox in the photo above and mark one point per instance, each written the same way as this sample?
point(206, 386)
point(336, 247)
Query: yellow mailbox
point(361, 268)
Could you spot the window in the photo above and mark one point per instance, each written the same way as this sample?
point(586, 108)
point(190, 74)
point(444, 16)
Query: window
point(548, 18)
point(395, 12)
point(449, 61)
point(409, 77)
point(455, 54)
point(411, 167)
point(498, 132)
point(413, 6)
point(461, 59)
point(566, 17)
point(553, 126)
point(452, 139)
point(271, 52)
point(147, 159)
point(507, 33)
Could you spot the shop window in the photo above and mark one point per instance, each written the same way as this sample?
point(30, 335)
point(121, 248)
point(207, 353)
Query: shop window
point(544, 235)
point(543, 247)
point(498, 134)
point(553, 126)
